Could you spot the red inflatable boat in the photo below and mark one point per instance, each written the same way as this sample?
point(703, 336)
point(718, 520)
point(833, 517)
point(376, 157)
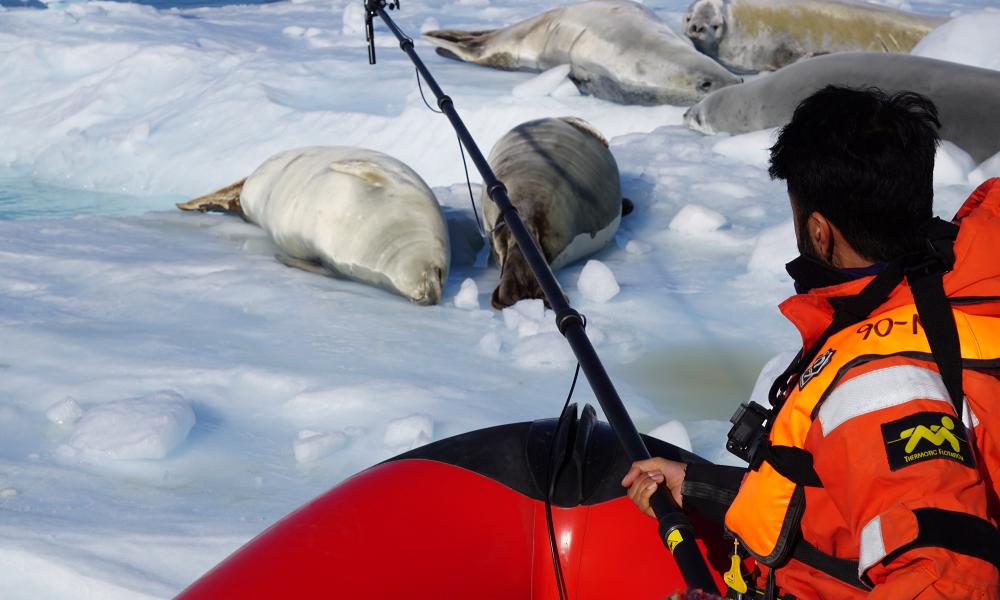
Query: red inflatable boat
point(465, 517)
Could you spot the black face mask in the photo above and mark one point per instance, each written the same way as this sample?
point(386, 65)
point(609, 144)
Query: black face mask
point(810, 273)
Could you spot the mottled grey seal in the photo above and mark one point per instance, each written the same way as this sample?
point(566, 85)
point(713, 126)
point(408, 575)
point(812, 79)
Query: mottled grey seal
point(617, 50)
point(967, 98)
point(348, 211)
point(763, 35)
point(564, 182)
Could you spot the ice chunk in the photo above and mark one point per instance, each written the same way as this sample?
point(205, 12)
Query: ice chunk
point(543, 84)
point(409, 432)
point(139, 428)
point(313, 445)
point(532, 309)
point(467, 298)
point(597, 282)
point(970, 40)
point(8, 492)
point(64, 412)
point(673, 432)
point(952, 165)
point(695, 218)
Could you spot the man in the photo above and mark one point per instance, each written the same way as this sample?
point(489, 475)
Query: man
point(876, 470)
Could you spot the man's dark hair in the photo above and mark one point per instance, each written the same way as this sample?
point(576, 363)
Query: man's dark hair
point(864, 160)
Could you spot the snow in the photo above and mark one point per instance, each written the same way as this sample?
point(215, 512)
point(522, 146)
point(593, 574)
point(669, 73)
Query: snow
point(353, 19)
point(773, 249)
point(673, 432)
point(752, 148)
point(313, 445)
point(968, 39)
point(491, 344)
point(952, 165)
point(772, 369)
point(170, 390)
point(987, 169)
point(597, 282)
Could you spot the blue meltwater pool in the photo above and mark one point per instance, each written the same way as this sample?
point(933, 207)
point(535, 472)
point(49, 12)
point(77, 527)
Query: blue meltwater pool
point(23, 197)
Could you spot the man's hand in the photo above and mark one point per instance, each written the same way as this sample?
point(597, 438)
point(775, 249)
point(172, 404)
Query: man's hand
point(644, 477)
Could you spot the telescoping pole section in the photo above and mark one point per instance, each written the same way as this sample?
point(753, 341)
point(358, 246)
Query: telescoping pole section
point(675, 529)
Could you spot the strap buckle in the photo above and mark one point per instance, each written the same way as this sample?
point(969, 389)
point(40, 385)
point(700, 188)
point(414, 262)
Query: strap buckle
point(939, 255)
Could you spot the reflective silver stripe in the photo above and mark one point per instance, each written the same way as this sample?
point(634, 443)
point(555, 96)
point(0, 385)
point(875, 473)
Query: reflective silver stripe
point(880, 389)
point(872, 546)
point(969, 418)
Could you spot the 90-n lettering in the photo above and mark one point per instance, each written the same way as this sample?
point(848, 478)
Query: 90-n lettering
point(883, 327)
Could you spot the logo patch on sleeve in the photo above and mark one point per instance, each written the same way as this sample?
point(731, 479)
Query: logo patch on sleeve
point(926, 436)
point(814, 369)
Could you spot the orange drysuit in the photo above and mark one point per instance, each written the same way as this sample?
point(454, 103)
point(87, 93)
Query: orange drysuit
point(909, 487)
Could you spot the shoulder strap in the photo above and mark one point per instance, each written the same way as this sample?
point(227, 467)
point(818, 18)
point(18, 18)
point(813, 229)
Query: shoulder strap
point(926, 279)
point(842, 569)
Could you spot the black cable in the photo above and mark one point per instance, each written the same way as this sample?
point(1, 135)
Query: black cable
point(553, 471)
point(465, 164)
point(420, 87)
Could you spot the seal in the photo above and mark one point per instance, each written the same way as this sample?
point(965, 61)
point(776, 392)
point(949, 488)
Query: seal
point(564, 183)
point(748, 36)
point(347, 212)
point(617, 50)
point(967, 98)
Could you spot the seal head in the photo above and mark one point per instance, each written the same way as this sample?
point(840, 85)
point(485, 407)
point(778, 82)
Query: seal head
point(705, 25)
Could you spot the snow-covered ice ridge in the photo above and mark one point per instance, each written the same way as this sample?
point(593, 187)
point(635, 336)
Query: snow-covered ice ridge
point(169, 390)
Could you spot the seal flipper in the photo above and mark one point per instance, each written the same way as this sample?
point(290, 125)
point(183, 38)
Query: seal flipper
point(306, 265)
point(461, 45)
point(226, 200)
point(517, 281)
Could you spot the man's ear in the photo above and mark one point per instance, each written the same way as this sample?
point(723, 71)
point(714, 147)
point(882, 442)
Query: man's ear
point(819, 235)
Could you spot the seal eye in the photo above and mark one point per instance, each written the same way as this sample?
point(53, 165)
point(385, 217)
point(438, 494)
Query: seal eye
point(705, 85)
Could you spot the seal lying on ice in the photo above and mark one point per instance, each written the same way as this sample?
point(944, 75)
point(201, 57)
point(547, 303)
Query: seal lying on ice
point(967, 98)
point(763, 35)
point(564, 182)
point(346, 211)
point(617, 50)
